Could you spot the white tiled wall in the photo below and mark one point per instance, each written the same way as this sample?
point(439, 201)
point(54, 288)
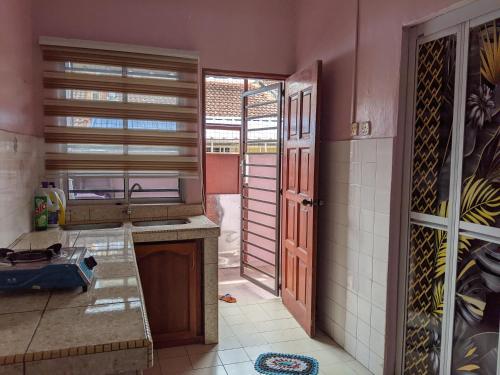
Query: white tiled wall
point(355, 182)
point(21, 168)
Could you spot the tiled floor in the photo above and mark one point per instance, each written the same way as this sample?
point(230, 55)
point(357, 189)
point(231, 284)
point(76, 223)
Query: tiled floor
point(257, 323)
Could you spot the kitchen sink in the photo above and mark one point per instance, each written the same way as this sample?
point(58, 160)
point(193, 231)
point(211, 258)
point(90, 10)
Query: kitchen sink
point(91, 226)
point(150, 223)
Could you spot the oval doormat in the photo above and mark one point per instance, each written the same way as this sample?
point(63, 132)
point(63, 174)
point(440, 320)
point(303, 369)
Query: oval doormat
point(286, 364)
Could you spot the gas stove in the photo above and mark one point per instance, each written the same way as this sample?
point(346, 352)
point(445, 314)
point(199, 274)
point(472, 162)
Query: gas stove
point(52, 268)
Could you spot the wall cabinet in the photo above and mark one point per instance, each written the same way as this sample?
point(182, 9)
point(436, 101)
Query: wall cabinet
point(171, 274)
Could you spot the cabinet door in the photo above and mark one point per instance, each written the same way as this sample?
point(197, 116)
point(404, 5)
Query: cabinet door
point(171, 282)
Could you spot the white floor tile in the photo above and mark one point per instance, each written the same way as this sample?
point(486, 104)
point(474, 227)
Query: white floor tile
point(276, 325)
point(175, 365)
point(336, 369)
point(243, 328)
point(218, 370)
point(177, 351)
point(200, 348)
point(233, 356)
point(245, 368)
point(254, 351)
point(228, 343)
point(252, 339)
point(260, 323)
point(202, 360)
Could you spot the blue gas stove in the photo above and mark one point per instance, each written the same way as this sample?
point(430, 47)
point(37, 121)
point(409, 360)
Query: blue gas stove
point(52, 268)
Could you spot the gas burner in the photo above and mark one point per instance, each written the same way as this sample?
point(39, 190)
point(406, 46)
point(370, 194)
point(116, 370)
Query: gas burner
point(30, 256)
point(51, 268)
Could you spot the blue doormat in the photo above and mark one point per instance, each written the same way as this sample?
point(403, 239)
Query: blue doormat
point(286, 364)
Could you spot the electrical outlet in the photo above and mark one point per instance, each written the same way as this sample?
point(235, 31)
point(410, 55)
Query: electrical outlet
point(354, 129)
point(365, 128)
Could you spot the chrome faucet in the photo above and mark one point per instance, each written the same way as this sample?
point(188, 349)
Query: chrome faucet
point(130, 191)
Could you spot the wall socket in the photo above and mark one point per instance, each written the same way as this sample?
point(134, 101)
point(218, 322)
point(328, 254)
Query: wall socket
point(365, 128)
point(361, 129)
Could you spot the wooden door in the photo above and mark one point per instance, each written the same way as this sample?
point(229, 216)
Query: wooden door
point(170, 275)
point(300, 195)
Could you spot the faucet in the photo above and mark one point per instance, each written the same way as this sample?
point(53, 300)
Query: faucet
point(130, 191)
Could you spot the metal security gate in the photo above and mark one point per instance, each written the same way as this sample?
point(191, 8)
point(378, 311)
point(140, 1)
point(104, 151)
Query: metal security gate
point(260, 186)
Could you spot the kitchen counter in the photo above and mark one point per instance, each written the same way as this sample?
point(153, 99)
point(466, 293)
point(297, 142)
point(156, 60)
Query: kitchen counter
point(105, 330)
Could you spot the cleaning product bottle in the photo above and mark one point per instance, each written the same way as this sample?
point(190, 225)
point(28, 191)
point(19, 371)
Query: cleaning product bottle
point(53, 210)
point(52, 204)
point(41, 210)
point(59, 196)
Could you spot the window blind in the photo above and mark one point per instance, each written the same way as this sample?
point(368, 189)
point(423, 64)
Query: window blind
point(116, 108)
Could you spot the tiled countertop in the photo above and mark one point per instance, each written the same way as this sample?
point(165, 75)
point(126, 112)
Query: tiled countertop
point(103, 331)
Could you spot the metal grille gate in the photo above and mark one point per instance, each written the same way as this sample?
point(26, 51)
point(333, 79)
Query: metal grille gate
point(260, 184)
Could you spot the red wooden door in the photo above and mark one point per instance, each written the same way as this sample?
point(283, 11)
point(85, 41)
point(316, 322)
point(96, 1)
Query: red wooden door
point(300, 194)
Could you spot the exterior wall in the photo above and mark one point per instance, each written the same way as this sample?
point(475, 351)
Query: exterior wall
point(355, 183)
point(223, 173)
point(21, 151)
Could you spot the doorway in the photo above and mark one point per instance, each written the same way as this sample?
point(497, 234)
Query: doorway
point(242, 172)
point(451, 211)
point(274, 113)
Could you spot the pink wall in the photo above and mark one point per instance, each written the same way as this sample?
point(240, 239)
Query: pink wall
point(229, 34)
point(16, 67)
point(223, 174)
point(325, 30)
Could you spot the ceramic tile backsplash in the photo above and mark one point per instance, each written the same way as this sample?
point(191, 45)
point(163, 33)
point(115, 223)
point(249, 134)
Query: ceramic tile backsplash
point(95, 213)
point(21, 169)
point(353, 250)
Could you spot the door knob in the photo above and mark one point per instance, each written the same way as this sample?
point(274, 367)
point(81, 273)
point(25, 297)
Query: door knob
point(307, 202)
point(310, 202)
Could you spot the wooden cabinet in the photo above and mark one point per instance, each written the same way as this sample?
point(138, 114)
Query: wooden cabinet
point(171, 274)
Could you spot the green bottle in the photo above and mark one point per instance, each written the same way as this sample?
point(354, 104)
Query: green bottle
point(41, 212)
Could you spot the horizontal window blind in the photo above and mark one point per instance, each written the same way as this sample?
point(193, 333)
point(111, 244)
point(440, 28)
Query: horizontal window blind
point(120, 109)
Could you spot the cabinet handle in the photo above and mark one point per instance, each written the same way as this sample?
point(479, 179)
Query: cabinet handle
point(193, 263)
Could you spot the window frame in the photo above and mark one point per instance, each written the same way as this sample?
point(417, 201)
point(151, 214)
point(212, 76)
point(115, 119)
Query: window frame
point(125, 175)
point(64, 182)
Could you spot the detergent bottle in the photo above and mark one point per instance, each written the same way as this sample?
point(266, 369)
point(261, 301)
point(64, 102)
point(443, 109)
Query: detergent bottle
point(60, 197)
point(41, 213)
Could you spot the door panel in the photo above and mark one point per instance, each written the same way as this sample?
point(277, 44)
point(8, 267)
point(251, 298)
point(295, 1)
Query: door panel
point(305, 126)
point(300, 166)
point(304, 168)
point(291, 216)
point(260, 179)
point(452, 306)
point(171, 282)
point(477, 277)
point(430, 189)
point(293, 115)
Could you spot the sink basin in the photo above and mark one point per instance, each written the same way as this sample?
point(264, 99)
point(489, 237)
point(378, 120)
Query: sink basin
point(91, 226)
point(150, 223)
